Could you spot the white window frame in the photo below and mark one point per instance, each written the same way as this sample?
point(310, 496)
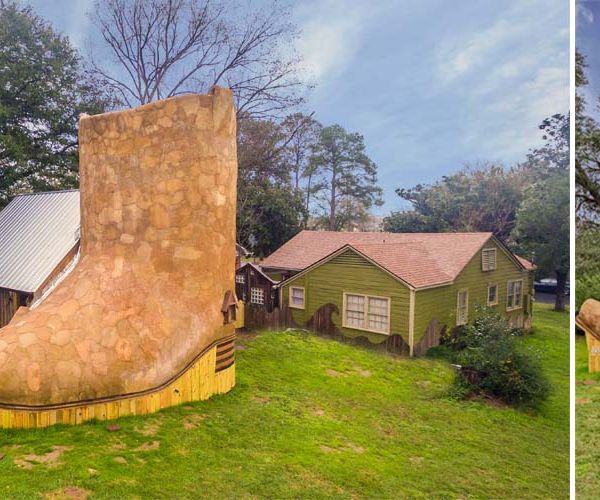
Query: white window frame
point(262, 295)
point(240, 278)
point(514, 295)
point(291, 302)
point(487, 267)
point(495, 303)
point(460, 322)
point(366, 312)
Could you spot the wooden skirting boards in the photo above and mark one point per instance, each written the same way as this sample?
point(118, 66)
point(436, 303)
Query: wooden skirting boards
point(593, 345)
point(199, 382)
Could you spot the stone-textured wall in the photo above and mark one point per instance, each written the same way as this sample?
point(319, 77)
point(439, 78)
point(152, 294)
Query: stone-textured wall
point(158, 191)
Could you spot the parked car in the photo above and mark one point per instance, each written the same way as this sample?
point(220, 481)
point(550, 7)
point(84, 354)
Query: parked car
point(548, 285)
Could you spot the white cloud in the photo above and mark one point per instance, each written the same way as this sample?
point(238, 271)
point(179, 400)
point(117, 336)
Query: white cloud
point(583, 12)
point(459, 57)
point(332, 32)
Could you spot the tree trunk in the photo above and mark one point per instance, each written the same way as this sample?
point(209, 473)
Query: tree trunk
point(561, 281)
point(332, 201)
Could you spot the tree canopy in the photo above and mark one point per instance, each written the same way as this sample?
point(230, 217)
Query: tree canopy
point(43, 89)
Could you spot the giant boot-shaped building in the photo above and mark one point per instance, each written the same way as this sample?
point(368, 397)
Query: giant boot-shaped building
point(145, 318)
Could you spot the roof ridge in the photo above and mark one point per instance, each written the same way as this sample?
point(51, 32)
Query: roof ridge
point(39, 193)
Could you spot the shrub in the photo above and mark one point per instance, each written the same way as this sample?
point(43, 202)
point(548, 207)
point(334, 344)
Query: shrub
point(492, 363)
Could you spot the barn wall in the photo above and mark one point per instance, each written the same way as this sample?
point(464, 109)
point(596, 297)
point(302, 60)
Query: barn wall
point(10, 301)
point(351, 273)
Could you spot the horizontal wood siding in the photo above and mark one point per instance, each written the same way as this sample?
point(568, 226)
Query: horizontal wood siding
point(440, 303)
point(350, 273)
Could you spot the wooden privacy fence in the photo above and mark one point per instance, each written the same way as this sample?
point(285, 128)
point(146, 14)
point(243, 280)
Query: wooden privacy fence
point(321, 323)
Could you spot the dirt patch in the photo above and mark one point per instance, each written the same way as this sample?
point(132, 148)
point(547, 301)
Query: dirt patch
point(354, 448)
point(2, 455)
point(118, 446)
point(328, 449)
point(362, 372)
point(334, 373)
point(261, 399)
point(192, 421)
point(318, 412)
point(121, 460)
point(583, 401)
point(150, 429)
point(50, 459)
point(154, 445)
point(69, 492)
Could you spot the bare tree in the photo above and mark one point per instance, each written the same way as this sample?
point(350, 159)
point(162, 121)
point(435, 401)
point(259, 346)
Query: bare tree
point(163, 48)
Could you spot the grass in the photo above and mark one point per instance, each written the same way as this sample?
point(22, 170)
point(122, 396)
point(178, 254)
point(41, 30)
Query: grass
point(315, 418)
point(587, 408)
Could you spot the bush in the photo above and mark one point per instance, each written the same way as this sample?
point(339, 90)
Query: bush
point(492, 363)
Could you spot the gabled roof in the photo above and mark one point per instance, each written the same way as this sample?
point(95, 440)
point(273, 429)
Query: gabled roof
point(419, 259)
point(37, 231)
point(526, 264)
point(258, 270)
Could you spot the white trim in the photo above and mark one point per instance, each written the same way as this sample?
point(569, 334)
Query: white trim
point(341, 250)
point(488, 295)
point(483, 262)
point(366, 312)
point(261, 295)
point(290, 304)
point(518, 307)
point(411, 322)
point(462, 290)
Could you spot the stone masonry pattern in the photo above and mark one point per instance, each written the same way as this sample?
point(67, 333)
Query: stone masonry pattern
point(158, 191)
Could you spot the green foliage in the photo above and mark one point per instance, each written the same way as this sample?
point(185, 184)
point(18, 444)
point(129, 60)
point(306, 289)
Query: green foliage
point(543, 228)
point(312, 418)
point(348, 178)
point(587, 263)
point(43, 89)
point(274, 215)
point(493, 364)
point(474, 199)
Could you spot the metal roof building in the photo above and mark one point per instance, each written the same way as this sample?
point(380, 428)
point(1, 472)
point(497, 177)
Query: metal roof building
point(37, 232)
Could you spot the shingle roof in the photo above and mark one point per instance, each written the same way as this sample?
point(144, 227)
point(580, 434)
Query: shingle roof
point(526, 264)
point(36, 232)
point(420, 259)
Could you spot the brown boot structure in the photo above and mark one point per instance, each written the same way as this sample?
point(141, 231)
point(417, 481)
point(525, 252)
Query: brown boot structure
point(144, 321)
point(588, 320)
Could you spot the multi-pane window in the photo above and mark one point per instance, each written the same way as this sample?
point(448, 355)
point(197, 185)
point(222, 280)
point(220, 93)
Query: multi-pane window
point(240, 278)
point(364, 312)
point(514, 294)
point(462, 307)
point(297, 297)
point(488, 259)
point(492, 298)
point(257, 296)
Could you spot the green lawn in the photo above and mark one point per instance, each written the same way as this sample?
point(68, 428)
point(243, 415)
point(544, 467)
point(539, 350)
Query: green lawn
point(315, 418)
point(587, 425)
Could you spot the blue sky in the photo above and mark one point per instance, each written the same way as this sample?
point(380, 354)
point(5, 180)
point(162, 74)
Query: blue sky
point(588, 41)
point(431, 84)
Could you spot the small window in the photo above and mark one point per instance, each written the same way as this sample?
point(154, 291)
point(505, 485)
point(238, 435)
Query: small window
point(462, 307)
point(514, 295)
point(492, 298)
point(257, 296)
point(364, 312)
point(488, 259)
point(240, 278)
point(297, 297)
point(229, 307)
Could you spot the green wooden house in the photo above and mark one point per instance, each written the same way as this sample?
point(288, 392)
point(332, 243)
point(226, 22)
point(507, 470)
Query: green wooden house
point(399, 290)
